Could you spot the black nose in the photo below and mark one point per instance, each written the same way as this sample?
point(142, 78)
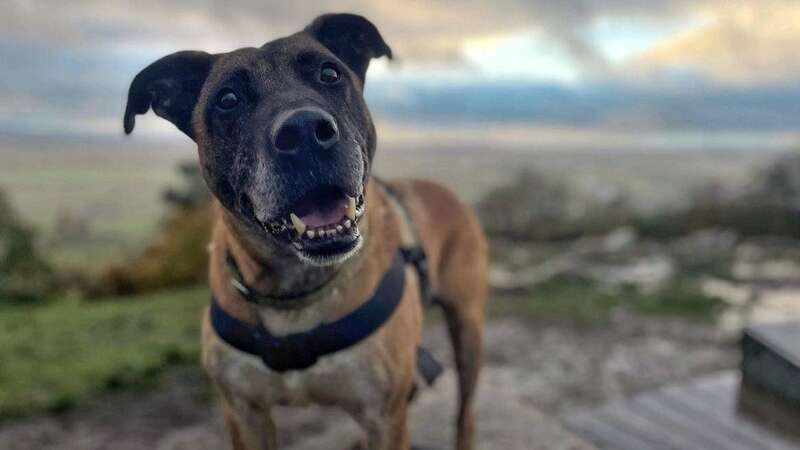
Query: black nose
point(308, 127)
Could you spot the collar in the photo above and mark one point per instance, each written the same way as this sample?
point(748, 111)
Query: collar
point(281, 302)
point(299, 351)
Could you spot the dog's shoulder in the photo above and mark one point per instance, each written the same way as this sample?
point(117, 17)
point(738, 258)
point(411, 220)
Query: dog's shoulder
point(432, 204)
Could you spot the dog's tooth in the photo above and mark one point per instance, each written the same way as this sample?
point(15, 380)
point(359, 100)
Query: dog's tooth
point(339, 228)
point(350, 212)
point(348, 224)
point(298, 224)
point(310, 234)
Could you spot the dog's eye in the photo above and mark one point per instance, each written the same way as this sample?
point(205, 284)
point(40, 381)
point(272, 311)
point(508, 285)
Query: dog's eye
point(227, 99)
point(329, 74)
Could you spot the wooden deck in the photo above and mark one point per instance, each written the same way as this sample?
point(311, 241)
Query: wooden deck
point(698, 415)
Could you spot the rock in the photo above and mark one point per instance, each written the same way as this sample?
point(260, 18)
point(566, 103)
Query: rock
point(705, 249)
point(734, 294)
point(776, 305)
point(778, 270)
point(620, 239)
point(648, 274)
point(503, 279)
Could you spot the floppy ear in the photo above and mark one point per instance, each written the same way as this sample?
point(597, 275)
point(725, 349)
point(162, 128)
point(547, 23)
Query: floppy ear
point(171, 87)
point(352, 38)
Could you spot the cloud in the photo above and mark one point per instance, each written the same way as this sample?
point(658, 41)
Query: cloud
point(745, 37)
point(742, 43)
point(419, 29)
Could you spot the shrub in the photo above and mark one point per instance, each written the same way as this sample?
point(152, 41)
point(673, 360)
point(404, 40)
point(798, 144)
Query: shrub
point(24, 274)
point(535, 206)
point(770, 206)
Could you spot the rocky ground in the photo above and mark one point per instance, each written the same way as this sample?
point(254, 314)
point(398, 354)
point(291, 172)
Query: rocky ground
point(534, 374)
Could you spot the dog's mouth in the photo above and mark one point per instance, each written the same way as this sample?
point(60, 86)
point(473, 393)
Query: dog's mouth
point(322, 224)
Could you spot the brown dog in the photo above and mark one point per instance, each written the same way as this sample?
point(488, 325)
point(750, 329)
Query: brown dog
point(286, 143)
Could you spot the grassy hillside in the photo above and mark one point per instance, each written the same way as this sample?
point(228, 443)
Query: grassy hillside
point(58, 354)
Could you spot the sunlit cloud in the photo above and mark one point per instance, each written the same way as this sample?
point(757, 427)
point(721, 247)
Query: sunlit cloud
point(741, 43)
point(531, 55)
point(621, 38)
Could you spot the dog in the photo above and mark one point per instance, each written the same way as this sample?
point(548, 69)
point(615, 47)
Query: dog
point(303, 255)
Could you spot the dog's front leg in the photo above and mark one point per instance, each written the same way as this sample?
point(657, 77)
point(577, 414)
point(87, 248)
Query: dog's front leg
point(249, 427)
point(387, 430)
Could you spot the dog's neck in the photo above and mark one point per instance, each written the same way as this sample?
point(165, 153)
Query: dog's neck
point(273, 269)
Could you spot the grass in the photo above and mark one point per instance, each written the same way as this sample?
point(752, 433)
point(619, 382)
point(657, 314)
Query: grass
point(571, 300)
point(57, 355)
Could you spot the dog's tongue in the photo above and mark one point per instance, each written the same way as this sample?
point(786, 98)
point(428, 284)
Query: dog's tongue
point(323, 208)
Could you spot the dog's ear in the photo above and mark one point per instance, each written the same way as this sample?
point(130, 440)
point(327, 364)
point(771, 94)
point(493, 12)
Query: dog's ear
point(353, 39)
point(171, 87)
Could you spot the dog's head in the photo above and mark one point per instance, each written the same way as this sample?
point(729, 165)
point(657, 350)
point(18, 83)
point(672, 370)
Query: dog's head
point(284, 136)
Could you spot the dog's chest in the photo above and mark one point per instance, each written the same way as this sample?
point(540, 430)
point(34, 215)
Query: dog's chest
point(346, 378)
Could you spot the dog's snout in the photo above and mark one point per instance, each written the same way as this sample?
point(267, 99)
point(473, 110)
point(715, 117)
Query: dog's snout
point(310, 128)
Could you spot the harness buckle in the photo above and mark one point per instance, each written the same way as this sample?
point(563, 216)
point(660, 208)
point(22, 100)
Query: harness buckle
point(294, 352)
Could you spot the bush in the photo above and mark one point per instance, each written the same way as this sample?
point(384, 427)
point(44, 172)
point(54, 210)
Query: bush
point(771, 206)
point(24, 274)
point(535, 206)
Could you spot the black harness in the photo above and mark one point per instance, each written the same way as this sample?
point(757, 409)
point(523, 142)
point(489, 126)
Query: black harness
point(300, 351)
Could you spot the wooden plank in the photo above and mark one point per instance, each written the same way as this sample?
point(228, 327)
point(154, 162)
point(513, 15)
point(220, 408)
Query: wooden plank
point(717, 417)
point(697, 415)
point(722, 388)
point(646, 430)
point(604, 435)
point(695, 428)
point(724, 409)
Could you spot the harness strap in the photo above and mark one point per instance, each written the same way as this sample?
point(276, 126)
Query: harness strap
point(413, 252)
point(427, 366)
point(299, 351)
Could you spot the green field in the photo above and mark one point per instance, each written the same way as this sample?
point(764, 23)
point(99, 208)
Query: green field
point(58, 354)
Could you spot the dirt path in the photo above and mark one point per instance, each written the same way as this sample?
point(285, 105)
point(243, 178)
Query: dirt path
point(534, 374)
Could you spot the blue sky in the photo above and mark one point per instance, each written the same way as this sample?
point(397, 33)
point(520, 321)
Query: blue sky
point(626, 67)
